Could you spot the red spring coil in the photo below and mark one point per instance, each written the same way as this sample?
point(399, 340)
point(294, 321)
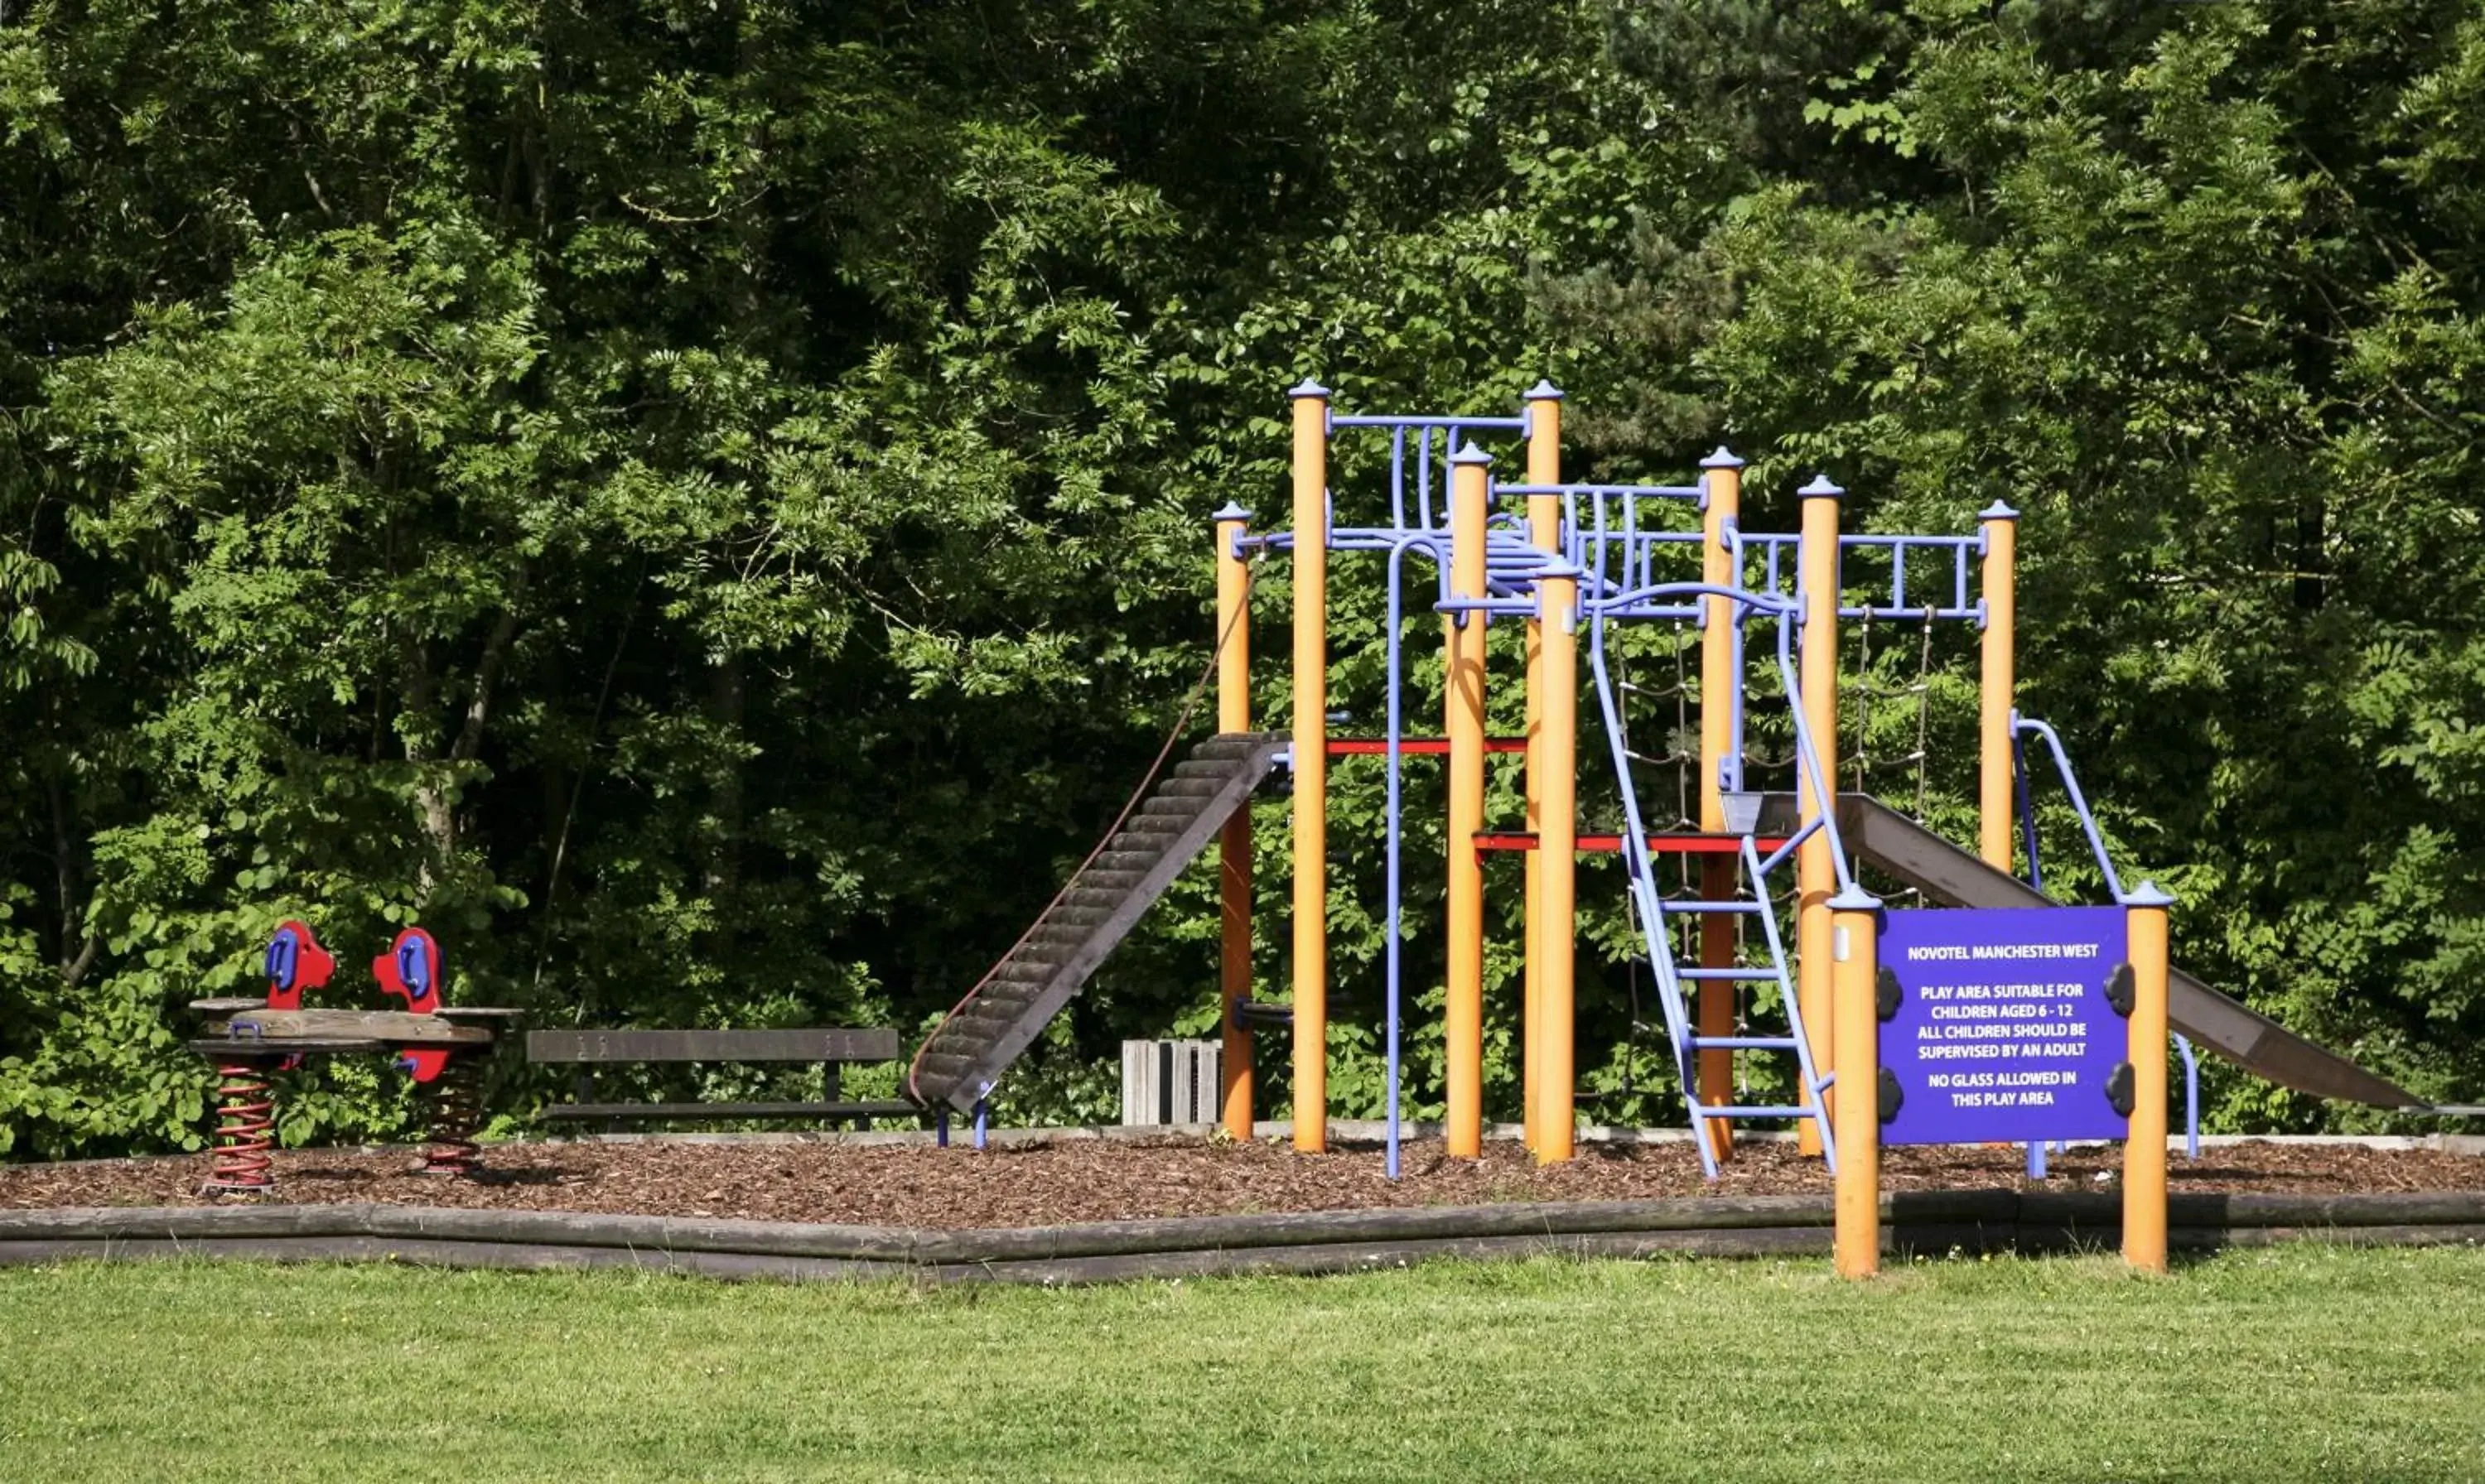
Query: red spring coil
point(456, 1114)
point(245, 1109)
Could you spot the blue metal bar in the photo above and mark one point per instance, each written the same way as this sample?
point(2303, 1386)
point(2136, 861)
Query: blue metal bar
point(1777, 857)
point(1856, 540)
point(1454, 421)
point(2190, 1095)
point(2026, 810)
point(983, 1118)
point(1636, 557)
point(1603, 581)
point(1959, 548)
point(1394, 751)
point(1397, 477)
point(1681, 613)
point(1423, 481)
point(1763, 602)
point(1661, 491)
point(1742, 1042)
point(941, 1127)
point(1485, 605)
point(1370, 538)
point(1757, 1111)
point(2078, 801)
point(1730, 767)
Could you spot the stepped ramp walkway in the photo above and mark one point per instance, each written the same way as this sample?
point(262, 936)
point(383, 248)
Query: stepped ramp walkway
point(1891, 842)
point(1148, 847)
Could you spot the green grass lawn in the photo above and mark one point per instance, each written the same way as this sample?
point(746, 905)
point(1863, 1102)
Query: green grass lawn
point(2307, 1362)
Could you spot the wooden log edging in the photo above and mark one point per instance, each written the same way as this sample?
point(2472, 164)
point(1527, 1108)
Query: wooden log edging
point(1915, 1223)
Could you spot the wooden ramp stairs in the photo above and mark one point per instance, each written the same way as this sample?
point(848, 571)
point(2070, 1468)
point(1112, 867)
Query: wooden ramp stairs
point(1004, 1014)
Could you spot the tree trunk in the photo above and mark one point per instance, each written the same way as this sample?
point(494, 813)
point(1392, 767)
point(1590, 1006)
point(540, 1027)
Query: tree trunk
point(435, 784)
point(724, 707)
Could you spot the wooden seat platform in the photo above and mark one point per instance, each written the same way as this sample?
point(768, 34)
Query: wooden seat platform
point(830, 1047)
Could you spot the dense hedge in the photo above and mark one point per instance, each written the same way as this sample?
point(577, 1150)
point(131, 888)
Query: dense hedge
point(704, 504)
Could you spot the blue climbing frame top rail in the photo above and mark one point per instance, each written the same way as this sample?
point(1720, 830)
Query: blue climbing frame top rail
point(1950, 597)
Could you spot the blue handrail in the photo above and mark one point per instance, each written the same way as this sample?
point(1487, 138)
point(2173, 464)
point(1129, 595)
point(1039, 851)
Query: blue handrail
point(1435, 547)
point(2023, 726)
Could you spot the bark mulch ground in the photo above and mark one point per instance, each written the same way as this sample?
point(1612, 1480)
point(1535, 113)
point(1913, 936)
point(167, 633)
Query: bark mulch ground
point(1027, 1185)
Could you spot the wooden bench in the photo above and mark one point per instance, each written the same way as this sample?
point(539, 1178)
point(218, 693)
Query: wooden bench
point(831, 1048)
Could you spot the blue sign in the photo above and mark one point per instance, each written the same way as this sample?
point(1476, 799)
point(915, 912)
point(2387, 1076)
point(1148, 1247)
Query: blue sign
point(2003, 1032)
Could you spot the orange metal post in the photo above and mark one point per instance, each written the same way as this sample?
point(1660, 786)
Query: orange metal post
point(2143, 1150)
point(1855, 1098)
point(1557, 845)
point(1233, 845)
point(1311, 767)
point(1543, 529)
point(2000, 679)
point(1470, 475)
point(1816, 870)
point(1714, 1004)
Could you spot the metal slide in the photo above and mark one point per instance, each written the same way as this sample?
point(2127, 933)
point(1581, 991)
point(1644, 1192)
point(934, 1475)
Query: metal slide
point(1004, 1014)
point(1898, 845)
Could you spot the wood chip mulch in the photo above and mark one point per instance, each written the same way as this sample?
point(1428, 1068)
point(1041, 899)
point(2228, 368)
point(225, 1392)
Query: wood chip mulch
point(1076, 1181)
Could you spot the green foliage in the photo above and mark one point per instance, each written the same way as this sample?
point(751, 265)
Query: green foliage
point(703, 506)
point(2177, 296)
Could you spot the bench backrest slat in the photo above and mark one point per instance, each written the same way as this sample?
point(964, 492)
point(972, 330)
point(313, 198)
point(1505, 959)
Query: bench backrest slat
point(876, 1043)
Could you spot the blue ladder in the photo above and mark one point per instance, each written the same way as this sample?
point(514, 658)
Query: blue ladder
point(1654, 914)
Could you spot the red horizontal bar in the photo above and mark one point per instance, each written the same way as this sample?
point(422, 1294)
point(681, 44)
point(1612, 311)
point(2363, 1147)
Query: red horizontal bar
point(1351, 747)
point(1669, 845)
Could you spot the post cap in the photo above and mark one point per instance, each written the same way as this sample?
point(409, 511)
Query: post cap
point(1819, 488)
point(1230, 511)
point(1544, 392)
point(2147, 894)
point(1997, 511)
point(1855, 899)
point(1723, 458)
point(1471, 454)
point(1309, 388)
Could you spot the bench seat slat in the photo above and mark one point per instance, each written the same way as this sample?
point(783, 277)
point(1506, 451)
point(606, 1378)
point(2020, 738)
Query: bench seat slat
point(878, 1043)
point(891, 1108)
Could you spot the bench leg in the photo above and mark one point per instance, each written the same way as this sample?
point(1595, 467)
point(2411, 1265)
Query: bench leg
point(581, 1089)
